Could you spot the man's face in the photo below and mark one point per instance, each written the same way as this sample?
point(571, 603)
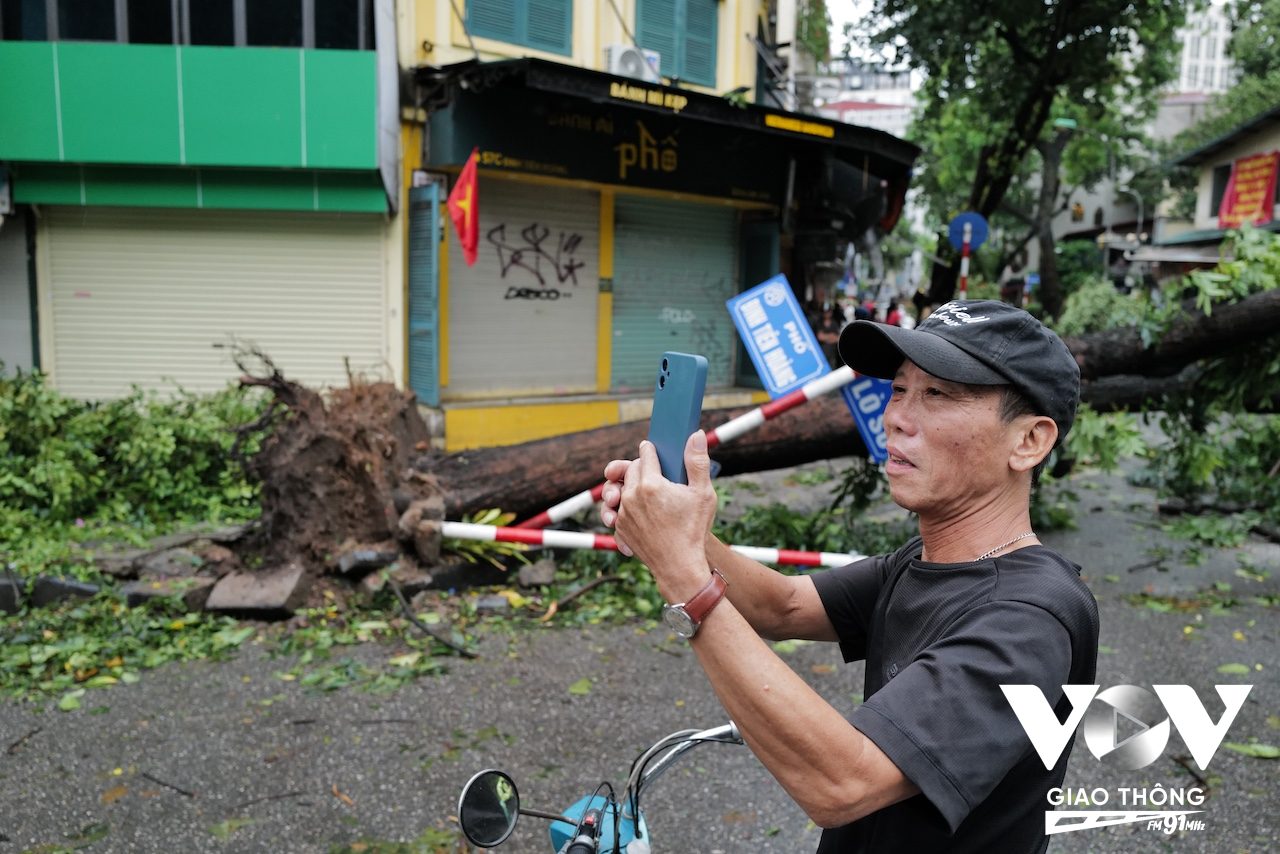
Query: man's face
point(948, 448)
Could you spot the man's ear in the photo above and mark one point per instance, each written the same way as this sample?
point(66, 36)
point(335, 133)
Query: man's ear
point(1035, 438)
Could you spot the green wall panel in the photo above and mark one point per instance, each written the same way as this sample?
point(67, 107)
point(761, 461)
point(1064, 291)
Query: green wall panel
point(350, 191)
point(194, 106)
point(232, 189)
point(119, 106)
point(242, 107)
point(236, 188)
point(28, 102)
point(47, 183)
point(134, 186)
point(342, 114)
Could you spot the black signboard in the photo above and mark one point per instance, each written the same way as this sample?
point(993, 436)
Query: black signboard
point(533, 131)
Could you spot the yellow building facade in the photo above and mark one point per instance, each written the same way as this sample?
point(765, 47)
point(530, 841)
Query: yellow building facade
point(620, 205)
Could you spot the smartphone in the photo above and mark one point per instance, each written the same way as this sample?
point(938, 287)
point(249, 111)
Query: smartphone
point(677, 409)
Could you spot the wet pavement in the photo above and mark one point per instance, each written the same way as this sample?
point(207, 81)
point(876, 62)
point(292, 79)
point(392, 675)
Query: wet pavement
point(228, 757)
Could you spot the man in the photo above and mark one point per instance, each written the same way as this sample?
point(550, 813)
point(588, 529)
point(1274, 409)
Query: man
point(934, 760)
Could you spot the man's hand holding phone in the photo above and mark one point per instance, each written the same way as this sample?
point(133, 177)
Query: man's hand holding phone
point(662, 523)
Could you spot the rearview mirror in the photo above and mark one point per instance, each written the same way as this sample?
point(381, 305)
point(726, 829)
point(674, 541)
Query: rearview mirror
point(488, 808)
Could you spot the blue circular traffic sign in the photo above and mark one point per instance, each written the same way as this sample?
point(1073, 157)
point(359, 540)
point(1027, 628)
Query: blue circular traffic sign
point(977, 232)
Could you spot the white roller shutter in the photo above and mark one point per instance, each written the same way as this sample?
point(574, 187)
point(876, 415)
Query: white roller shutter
point(153, 297)
point(522, 320)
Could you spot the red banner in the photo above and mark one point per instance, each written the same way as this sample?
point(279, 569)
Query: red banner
point(1251, 191)
point(464, 209)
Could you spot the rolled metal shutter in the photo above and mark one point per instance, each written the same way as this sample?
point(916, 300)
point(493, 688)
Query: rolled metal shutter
point(156, 297)
point(674, 267)
point(522, 320)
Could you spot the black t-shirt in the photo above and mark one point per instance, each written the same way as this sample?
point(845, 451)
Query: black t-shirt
point(939, 640)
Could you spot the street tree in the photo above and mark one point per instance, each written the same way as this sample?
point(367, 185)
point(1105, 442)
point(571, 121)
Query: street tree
point(1255, 37)
point(1012, 66)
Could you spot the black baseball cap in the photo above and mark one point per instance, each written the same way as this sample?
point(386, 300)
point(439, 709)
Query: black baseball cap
point(976, 342)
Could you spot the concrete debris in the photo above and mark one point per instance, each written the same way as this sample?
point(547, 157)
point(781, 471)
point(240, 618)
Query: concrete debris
point(362, 561)
point(538, 574)
point(261, 595)
point(493, 604)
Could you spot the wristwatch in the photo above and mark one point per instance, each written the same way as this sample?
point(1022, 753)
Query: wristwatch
point(685, 618)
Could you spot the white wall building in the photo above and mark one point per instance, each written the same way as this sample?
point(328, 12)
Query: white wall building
point(1205, 66)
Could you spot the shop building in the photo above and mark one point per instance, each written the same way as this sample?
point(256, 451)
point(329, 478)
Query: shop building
point(617, 214)
point(185, 177)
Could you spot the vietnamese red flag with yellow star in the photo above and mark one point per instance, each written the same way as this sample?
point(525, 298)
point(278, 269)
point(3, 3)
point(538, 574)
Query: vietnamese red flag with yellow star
point(464, 209)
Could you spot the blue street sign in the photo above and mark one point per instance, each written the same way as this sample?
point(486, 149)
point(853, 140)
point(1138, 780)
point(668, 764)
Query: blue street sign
point(866, 398)
point(977, 234)
point(777, 336)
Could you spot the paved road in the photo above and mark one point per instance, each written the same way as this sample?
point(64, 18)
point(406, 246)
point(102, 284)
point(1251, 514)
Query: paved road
point(160, 765)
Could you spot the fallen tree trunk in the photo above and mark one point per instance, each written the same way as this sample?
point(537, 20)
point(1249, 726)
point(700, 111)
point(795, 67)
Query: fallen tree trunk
point(526, 479)
point(1195, 336)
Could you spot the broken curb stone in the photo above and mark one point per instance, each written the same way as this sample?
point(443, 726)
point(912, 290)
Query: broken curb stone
point(260, 595)
point(120, 564)
point(176, 562)
point(49, 590)
point(10, 596)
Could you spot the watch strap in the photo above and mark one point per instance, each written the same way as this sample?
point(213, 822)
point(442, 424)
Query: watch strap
point(707, 598)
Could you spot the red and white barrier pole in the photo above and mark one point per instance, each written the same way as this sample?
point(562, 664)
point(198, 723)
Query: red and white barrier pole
point(604, 542)
point(744, 423)
point(964, 261)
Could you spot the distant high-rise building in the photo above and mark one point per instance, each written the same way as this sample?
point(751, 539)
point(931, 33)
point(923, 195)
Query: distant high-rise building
point(1204, 64)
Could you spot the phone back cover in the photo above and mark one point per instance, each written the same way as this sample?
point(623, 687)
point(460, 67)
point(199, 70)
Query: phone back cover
point(677, 409)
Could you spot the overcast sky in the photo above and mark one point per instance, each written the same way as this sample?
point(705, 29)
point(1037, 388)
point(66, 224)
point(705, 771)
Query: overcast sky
point(843, 11)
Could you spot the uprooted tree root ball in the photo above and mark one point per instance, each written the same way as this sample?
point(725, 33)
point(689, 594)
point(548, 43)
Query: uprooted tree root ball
point(336, 469)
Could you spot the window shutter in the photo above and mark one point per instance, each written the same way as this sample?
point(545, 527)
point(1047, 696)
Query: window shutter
point(551, 25)
point(700, 33)
point(493, 19)
point(541, 24)
point(424, 293)
point(656, 30)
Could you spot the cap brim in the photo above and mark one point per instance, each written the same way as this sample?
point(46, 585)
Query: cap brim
point(878, 350)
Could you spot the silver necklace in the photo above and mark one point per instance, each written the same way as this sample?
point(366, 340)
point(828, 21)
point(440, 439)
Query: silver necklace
point(1006, 545)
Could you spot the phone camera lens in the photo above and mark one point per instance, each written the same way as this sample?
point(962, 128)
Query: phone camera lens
point(664, 366)
point(662, 381)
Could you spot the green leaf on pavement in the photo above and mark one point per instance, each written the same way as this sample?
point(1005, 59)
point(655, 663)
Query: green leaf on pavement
point(71, 700)
point(1235, 669)
point(1257, 751)
point(581, 687)
point(225, 829)
point(232, 636)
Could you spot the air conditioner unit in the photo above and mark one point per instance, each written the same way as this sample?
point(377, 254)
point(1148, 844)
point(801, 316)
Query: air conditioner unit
point(627, 60)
